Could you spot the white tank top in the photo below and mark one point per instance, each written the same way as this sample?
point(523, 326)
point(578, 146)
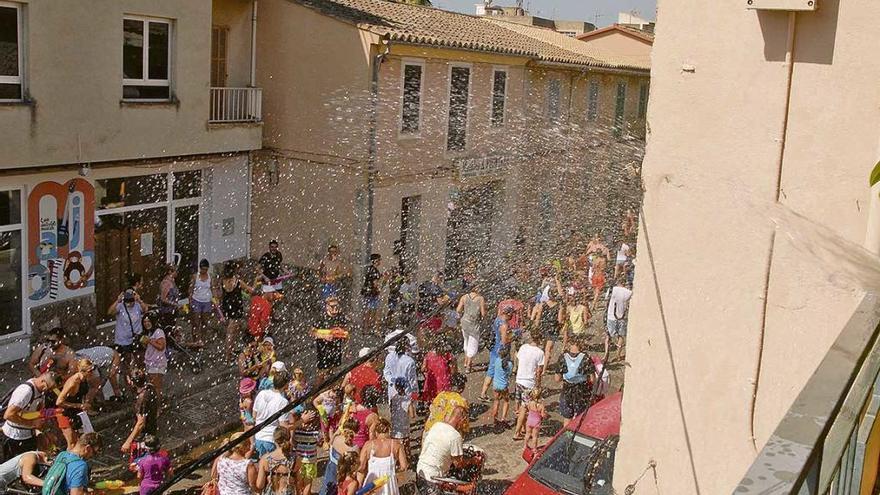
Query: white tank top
point(202, 289)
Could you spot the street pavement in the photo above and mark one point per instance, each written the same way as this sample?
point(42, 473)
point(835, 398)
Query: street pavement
point(203, 409)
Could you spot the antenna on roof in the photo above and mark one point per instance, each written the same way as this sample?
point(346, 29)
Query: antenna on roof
point(596, 18)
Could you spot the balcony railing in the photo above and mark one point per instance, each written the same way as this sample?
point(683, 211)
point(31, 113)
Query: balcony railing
point(236, 105)
point(821, 444)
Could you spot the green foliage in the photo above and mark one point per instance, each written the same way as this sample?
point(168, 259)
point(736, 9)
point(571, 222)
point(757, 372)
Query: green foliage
point(875, 175)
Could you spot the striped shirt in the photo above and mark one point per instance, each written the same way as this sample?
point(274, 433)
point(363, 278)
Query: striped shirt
point(307, 444)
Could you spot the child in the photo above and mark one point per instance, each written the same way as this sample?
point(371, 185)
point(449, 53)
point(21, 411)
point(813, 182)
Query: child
point(266, 383)
point(246, 389)
point(402, 413)
point(275, 469)
point(299, 386)
point(155, 357)
point(347, 474)
point(501, 385)
point(306, 438)
point(341, 443)
point(154, 467)
point(328, 403)
point(537, 413)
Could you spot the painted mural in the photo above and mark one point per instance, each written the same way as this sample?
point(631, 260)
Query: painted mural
point(61, 241)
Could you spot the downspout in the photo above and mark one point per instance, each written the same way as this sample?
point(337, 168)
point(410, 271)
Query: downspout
point(783, 134)
point(253, 83)
point(384, 48)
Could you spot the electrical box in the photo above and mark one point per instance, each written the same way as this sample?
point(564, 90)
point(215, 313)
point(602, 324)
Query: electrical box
point(790, 5)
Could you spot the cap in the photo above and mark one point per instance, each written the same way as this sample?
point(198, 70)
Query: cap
point(246, 386)
point(277, 365)
point(363, 352)
point(268, 340)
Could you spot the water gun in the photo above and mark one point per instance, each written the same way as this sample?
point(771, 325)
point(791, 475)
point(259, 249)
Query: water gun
point(46, 413)
point(346, 412)
point(185, 309)
point(373, 485)
point(109, 485)
point(336, 333)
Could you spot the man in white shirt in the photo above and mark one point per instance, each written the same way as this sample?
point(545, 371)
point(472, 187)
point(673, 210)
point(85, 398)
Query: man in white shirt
point(267, 403)
point(530, 368)
point(18, 434)
point(618, 307)
point(442, 448)
point(399, 364)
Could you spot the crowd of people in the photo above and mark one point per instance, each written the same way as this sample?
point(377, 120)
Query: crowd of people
point(536, 329)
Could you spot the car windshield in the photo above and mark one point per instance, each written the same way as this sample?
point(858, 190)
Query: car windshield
point(562, 466)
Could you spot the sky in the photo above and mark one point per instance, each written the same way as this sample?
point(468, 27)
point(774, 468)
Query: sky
point(566, 9)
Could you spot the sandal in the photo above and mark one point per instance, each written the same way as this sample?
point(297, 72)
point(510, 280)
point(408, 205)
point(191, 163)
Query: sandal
point(518, 438)
point(485, 399)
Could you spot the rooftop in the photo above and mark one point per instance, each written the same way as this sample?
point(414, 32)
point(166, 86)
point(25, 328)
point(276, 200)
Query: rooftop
point(630, 31)
point(405, 23)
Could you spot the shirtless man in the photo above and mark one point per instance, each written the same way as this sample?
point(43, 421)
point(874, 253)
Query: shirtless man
point(597, 280)
point(331, 271)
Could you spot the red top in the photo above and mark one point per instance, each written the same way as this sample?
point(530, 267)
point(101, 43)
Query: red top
point(437, 375)
point(364, 376)
point(517, 312)
point(258, 321)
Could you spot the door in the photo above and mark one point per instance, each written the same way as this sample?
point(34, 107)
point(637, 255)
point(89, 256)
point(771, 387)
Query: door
point(186, 245)
point(133, 242)
point(469, 242)
point(410, 230)
point(219, 35)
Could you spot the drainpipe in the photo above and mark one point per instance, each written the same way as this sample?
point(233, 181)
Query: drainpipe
point(783, 134)
point(384, 48)
point(254, 44)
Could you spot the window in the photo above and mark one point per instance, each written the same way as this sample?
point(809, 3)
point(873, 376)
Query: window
point(570, 34)
point(146, 59)
point(412, 98)
point(643, 100)
point(499, 93)
point(10, 262)
point(10, 52)
point(219, 35)
point(554, 89)
point(619, 108)
point(593, 100)
point(459, 83)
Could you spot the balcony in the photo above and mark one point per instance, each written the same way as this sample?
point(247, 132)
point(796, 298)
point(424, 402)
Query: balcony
point(236, 105)
point(827, 442)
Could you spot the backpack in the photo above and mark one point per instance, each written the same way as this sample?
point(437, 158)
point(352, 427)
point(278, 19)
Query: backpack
point(4, 402)
point(55, 479)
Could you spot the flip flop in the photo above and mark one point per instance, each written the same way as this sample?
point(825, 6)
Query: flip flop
point(518, 439)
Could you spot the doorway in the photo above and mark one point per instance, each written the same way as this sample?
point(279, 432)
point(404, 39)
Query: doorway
point(469, 238)
point(144, 223)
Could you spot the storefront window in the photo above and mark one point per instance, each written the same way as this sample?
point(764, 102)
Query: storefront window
point(128, 191)
point(10, 282)
point(10, 207)
point(187, 184)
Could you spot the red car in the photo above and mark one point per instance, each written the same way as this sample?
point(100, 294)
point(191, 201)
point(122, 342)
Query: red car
point(579, 460)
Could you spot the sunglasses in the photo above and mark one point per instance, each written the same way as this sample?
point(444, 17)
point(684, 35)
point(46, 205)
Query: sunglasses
point(333, 306)
point(53, 341)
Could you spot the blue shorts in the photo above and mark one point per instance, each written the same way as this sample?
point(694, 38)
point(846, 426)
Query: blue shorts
point(200, 307)
point(263, 447)
point(616, 328)
point(371, 302)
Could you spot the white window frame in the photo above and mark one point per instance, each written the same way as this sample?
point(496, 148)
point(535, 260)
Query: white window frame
point(145, 70)
point(19, 79)
point(470, 69)
point(20, 227)
point(503, 122)
point(404, 63)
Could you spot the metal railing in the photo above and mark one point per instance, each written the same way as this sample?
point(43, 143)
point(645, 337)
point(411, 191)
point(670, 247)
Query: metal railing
point(820, 446)
point(236, 105)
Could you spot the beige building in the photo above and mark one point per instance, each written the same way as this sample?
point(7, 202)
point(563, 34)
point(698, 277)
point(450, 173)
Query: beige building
point(388, 121)
point(518, 15)
point(126, 132)
point(634, 44)
point(763, 131)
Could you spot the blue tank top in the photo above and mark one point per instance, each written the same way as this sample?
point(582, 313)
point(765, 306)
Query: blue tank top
point(572, 368)
point(496, 327)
